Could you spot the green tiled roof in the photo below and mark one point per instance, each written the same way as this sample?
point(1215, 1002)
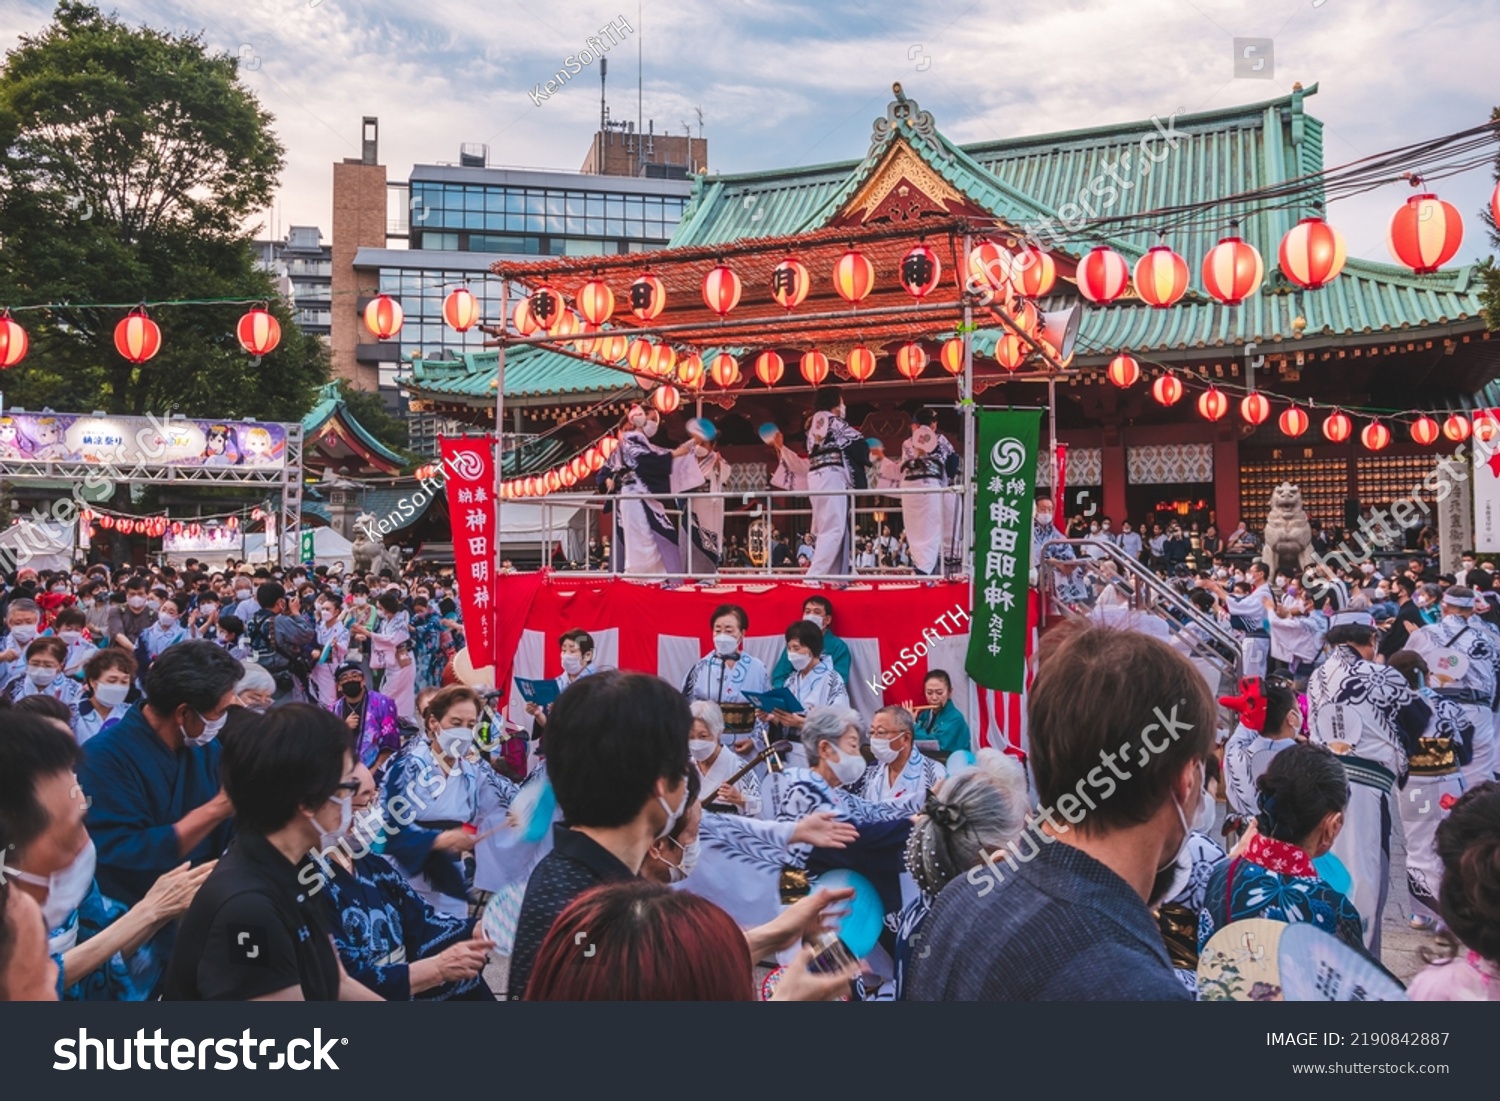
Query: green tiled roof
point(329, 405)
point(530, 372)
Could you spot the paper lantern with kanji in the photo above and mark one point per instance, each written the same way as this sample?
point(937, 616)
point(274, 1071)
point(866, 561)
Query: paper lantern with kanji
point(1032, 272)
point(595, 302)
point(521, 315)
point(1425, 233)
point(666, 399)
point(1161, 277)
point(1312, 254)
point(814, 366)
point(648, 295)
point(1102, 275)
point(258, 332)
point(853, 276)
point(1124, 371)
point(921, 271)
point(1425, 430)
point(911, 360)
point(1213, 404)
point(13, 341)
point(952, 356)
point(1166, 390)
point(690, 371)
point(1337, 427)
point(461, 309)
point(1293, 422)
point(769, 368)
point(861, 363)
point(137, 337)
point(547, 308)
point(1011, 351)
point(725, 370)
point(1456, 427)
point(1232, 270)
point(790, 282)
point(721, 290)
point(1375, 435)
point(1255, 408)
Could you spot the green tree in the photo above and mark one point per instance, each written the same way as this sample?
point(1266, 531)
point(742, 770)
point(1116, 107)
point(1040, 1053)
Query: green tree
point(367, 407)
point(132, 163)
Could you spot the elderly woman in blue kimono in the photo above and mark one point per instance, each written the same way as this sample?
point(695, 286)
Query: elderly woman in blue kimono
point(440, 797)
point(635, 469)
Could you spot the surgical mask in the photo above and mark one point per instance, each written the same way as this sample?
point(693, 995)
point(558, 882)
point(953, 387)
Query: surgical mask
point(649, 428)
point(328, 839)
point(66, 887)
point(153, 604)
point(701, 750)
point(40, 675)
point(700, 452)
point(23, 633)
point(330, 613)
point(686, 863)
point(1044, 519)
point(1169, 874)
point(361, 601)
point(455, 741)
point(136, 603)
point(1203, 821)
point(210, 730)
point(167, 620)
point(242, 594)
point(881, 747)
point(572, 664)
point(672, 815)
point(724, 645)
point(110, 695)
point(848, 768)
point(70, 637)
point(815, 619)
point(798, 661)
point(208, 609)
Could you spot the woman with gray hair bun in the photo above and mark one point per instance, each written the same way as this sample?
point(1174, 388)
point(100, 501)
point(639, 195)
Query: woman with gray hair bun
point(968, 815)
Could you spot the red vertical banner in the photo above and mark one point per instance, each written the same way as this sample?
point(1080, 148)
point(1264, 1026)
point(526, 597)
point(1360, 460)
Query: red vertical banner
point(1060, 485)
point(469, 469)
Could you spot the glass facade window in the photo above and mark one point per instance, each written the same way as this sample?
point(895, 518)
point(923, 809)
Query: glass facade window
point(438, 210)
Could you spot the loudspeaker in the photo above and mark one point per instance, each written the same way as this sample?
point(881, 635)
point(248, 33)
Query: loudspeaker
point(1059, 330)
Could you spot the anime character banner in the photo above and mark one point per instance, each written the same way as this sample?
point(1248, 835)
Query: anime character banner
point(128, 441)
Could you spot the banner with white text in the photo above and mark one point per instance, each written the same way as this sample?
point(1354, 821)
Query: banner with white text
point(470, 463)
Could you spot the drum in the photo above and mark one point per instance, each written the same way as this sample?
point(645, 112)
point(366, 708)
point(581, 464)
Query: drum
point(739, 718)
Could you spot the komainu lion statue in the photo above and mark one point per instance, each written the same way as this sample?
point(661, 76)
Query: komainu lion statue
point(1288, 534)
point(369, 555)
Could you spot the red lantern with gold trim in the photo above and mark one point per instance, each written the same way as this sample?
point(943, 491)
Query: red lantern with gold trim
point(666, 399)
point(920, 271)
point(1375, 436)
point(790, 282)
point(814, 366)
point(13, 341)
point(258, 332)
point(1425, 233)
point(1312, 254)
point(1166, 390)
point(725, 370)
point(138, 338)
point(1124, 371)
point(1161, 277)
point(1425, 430)
point(721, 290)
point(1213, 404)
point(648, 296)
point(1457, 427)
point(461, 309)
point(1255, 409)
point(1102, 275)
point(769, 368)
point(951, 356)
point(853, 276)
point(595, 301)
point(1232, 270)
point(1011, 351)
point(1032, 272)
point(861, 363)
point(911, 360)
point(1337, 427)
point(1293, 422)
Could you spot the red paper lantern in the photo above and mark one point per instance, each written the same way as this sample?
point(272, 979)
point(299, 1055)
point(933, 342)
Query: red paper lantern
point(138, 338)
point(814, 367)
point(992, 266)
point(106, 522)
point(588, 339)
point(1337, 427)
point(1255, 408)
point(608, 445)
point(952, 356)
point(1032, 272)
point(721, 290)
point(13, 341)
point(769, 368)
point(1161, 277)
point(1293, 422)
point(461, 309)
point(1456, 427)
point(1025, 318)
point(1011, 351)
point(1425, 233)
point(547, 309)
point(1312, 253)
point(1424, 430)
point(612, 348)
point(690, 371)
point(861, 363)
point(1375, 436)
point(1166, 390)
point(725, 370)
point(384, 316)
point(564, 325)
point(648, 296)
point(177, 524)
point(853, 276)
point(790, 283)
point(1232, 270)
point(911, 360)
point(233, 523)
point(921, 270)
point(1124, 371)
point(595, 301)
point(554, 481)
point(1495, 205)
point(664, 361)
point(640, 354)
point(1486, 427)
point(666, 399)
point(1213, 404)
point(567, 476)
point(258, 332)
point(596, 459)
point(525, 323)
point(1102, 275)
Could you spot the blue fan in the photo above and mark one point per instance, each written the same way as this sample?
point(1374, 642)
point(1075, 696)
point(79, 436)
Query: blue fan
point(703, 429)
point(859, 929)
point(768, 431)
point(1318, 967)
point(1331, 871)
point(874, 445)
point(959, 762)
point(534, 810)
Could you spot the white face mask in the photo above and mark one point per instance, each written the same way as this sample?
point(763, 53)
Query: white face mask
point(23, 633)
point(330, 613)
point(210, 730)
point(136, 602)
point(328, 839)
point(41, 675)
point(70, 637)
point(815, 619)
point(242, 594)
point(650, 427)
point(702, 751)
point(572, 664)
point(798, 661)
point(848, 768)
point(66, 887)
point(724, 645)
point(881, 747)
point(111, 695)
point(672, 815)
point(455, 741)
point(167, 620)
point(1044, 519)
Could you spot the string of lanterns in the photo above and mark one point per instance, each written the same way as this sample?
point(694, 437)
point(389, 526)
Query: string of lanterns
point(157, 526)
point(588, 461)
point(138, 338)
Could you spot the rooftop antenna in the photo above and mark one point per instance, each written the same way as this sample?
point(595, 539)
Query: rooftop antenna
point(640, 59)
point(699, 112)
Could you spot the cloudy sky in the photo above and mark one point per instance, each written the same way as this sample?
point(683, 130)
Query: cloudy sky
point(783, 84)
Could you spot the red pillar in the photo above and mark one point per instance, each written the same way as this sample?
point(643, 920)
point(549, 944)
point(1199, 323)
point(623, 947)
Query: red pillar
point(1226, 477)
point(1112, 446)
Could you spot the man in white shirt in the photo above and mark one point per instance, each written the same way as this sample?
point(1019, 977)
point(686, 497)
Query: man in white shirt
point(899, 769)
point(1130, 540)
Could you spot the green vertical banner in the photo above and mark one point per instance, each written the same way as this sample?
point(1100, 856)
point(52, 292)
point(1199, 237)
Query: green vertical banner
point(308, 549)
point(1006, 490)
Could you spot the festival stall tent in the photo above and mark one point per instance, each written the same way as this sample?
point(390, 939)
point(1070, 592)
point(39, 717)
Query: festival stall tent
point(329, 548)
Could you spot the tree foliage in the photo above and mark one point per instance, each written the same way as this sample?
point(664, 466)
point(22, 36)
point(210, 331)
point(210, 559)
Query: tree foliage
point(132, 162)
point(367, 407)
